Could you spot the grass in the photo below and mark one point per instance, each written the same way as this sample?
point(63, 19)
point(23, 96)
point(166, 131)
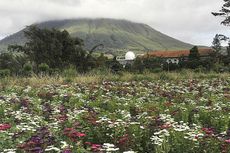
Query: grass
point(37, 81)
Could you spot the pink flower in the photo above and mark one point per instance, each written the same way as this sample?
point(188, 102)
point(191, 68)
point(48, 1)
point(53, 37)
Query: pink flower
point(79, 134)
point(95, 147)
point(66, 151)
point(208, 131)
point(227, 141)
point(4, 127)
point(73, 134)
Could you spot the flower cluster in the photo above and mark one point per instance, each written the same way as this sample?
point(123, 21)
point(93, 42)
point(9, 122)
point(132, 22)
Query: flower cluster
point(116, 116)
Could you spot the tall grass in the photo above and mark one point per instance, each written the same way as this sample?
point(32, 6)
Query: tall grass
point(97, 77)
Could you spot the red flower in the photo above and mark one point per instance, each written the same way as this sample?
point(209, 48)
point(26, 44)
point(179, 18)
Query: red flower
point(4, 127)
point(208, 131)
point(79, 134)
point(66, 151)
point(165, 126)
point(73, 134)
point(123, 139)
point(95, 147)
point(88, 143)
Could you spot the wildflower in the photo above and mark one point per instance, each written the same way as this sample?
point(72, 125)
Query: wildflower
point(156, 140)
point(64, 144)
point(78, 134)
point(10, 150)
point(66, 150)
point(95, 147)
point(166, 126)
point(208, 131)
point(73, 134)
point(123, 139)
point(52, 148)
point(4, 127)
point(109, 147)
point(227, 141)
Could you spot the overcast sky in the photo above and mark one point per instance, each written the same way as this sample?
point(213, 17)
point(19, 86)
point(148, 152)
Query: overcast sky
point(188, 20)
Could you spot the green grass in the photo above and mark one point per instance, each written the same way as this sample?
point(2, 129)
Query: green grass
point(97, 77)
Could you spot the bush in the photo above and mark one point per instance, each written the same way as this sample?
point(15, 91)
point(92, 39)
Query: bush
point(157, 70)
point(4, 73)
point(200, 69)
point(43, 67)
point(27, 69)
point(70, 72)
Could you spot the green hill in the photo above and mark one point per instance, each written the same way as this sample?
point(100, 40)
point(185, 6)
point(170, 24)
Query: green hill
point(116, 35)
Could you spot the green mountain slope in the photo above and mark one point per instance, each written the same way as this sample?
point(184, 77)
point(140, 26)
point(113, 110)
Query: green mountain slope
point(116, 35)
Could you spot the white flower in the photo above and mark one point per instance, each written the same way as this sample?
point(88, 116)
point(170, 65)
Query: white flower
point(50, 148)
point(9, 150)
point(109, 147)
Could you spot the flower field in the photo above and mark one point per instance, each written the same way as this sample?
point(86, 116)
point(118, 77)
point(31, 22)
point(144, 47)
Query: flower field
point(179, 116)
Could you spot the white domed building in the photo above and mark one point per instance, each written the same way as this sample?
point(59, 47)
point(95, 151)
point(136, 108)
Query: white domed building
point(130, 56)
point(128, 59)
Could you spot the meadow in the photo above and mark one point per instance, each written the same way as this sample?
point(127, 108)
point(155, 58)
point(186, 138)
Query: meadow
point(127, 113)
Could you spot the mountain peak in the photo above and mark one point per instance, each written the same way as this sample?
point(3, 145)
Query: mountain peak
point(114, 34)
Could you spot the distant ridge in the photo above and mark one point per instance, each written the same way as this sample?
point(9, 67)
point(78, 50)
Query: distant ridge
point(116, 35)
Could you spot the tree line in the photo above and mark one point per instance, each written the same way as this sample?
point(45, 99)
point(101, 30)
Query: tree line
point(50, 51)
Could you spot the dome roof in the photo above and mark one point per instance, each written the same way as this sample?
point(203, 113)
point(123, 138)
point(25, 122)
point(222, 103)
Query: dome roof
point(130, 56)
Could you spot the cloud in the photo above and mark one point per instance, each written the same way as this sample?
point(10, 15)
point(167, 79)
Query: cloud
point(188, 20)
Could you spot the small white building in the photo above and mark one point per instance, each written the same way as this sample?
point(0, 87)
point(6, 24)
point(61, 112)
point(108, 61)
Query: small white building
point(172, 60)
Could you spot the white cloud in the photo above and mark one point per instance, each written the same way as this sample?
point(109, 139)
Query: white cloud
point(188, 20)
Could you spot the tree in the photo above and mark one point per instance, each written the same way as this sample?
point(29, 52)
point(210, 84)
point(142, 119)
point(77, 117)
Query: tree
point(55, 48)
point(13, 62)
point(138, 65)
point(224, 12)
point(216, 45)
point(194, 54)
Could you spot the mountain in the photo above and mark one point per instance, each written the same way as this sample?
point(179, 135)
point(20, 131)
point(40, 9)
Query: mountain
point(116, 35)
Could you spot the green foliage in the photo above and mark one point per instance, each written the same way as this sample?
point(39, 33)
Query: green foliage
point(70, 72)
point(194, 54)
point(53, 47)
point(152, 63)
point(13, 62)
point(4, 73)
point(138, 65)
point(101, 60)
point(28, 69)
point(216, 44)
point(43, 67)
point(114, 65)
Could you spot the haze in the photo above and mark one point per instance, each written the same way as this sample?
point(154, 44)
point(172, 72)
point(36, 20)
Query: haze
point(187, 20)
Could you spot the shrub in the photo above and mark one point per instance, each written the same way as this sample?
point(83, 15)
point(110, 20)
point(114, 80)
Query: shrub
point(70, 72)
point(27, 69)
point(157, 70)
point(4, 73)
point(43, 67)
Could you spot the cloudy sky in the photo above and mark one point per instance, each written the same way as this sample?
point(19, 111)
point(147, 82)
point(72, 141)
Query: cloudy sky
point(188, 20)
